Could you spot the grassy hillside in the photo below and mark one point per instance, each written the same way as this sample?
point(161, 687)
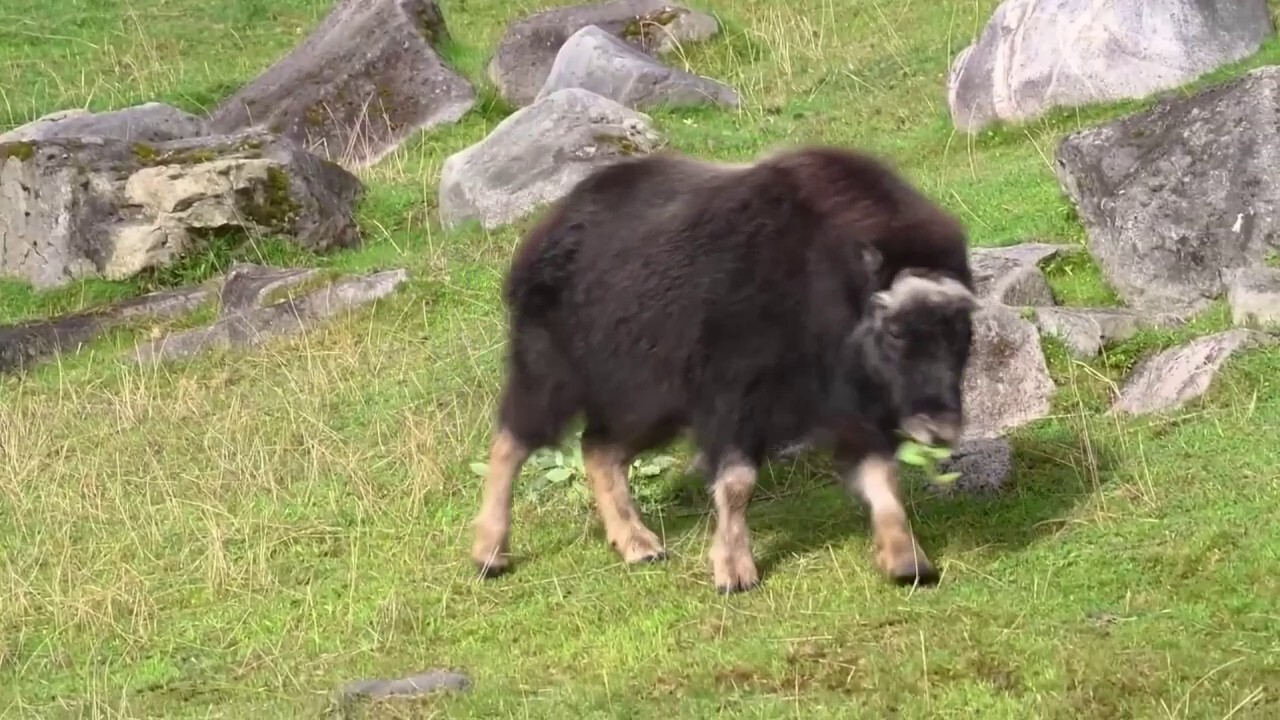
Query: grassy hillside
point(237, 535)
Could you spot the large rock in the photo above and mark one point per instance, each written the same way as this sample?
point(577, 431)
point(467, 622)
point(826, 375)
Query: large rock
point(150, 122)
point(537, 154)
point(255, 308)
point(1178, 196)
point(1011, 275)
point(1007, 383)
point(1035, 55)
point(524, 57)
point(595, 60)
point(1253, 294)
point(78, 208)
point(1176, 376)
point(25, 345)
point(367, 78)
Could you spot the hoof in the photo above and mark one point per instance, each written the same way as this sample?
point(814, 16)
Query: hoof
point(735, 573)
point(914, 571)
point(738, 586)
point(490, 570)
point(642, 546)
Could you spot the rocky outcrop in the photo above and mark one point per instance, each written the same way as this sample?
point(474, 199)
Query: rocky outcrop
point(1007, 383)
point(1253, 294)
point(79, 208)
point(1036, 55)
point(150, 122)
point(1178, 196)
point(1011, 275)
point(520, 65)
point(255, 306)
point(367, 78)
point(1170, 379)
point(537, 154)
point(595, 60)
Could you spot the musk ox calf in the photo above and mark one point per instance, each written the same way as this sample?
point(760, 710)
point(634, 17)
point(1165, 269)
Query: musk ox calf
point(811, 293)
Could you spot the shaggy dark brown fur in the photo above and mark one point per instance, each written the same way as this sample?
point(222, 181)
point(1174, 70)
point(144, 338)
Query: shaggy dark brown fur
point(754, 305)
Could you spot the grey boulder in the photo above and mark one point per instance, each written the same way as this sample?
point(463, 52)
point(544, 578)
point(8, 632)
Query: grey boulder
point(149, 122)
point(537, 154)
point(367, 78)
point(1176, 197)
point(1007, 383)
point(1086, 331)
point(1253, 294)
point(81, 208)
point(985, 467)
point(524, 56)
point(1036, 55)
point(595, 60)
point(1011, 275)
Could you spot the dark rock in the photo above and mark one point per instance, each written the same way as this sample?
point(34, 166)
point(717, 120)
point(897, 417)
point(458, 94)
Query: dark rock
point(984, 465)
point(1178, 375)
point(367, 78)
point(595, 60)
point(1253, 295)
point(527, 51)
point(246, 326)
point(150, 122)
point(537, 154)
point(248, 287)
point(1036, 55)
point(26, 345)
point(1175, 197)
point(78, 208)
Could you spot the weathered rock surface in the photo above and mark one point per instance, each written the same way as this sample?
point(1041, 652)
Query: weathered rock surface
point(367, 78)
point(76, 208)
point(1178, 375)
point(1085, 331)
point(1012, 274)
point(419, 684)
point(524, 57)
point(150, 122)
point(246, 323)
point(1253, 294)
point(537, 154)
point(985, 467)
point(595, 60)
point(1035, 55)
point(1007, 383)
point(1175, 197)
point(24, 346)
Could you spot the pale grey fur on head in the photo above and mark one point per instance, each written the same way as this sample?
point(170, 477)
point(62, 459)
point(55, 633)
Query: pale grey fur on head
point(909, 288)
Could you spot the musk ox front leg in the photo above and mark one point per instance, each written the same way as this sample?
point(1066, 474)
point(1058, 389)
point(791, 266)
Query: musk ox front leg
point(732, 563)
point(875, 480)
point(493, 523)
point(606, 465)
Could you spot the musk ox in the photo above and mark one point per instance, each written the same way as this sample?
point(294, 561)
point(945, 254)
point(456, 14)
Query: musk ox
point(811, 293)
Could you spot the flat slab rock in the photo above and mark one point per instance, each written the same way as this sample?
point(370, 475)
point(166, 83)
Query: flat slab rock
point(1253, 294)
point(1177, 197)
point(109, 208)
point(425, 683)
point(1036, 55)
point(149, 122)
point(247, 320)
point(26, 345)
point(520, 65)
point(537, 154)
point(603, 63)
point(368, 77)
point(1086, 331)
point(1176, 376)
point(1012, 275)
point(985, 467)
point(1007, 383)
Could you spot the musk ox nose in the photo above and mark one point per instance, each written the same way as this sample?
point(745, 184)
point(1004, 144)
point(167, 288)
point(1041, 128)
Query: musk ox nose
point(933, 428)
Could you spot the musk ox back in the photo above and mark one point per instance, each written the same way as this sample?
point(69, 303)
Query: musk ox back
point(813, 291)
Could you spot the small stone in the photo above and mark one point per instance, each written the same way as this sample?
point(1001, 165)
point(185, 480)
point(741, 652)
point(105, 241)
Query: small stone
point(1253, 295)
point(420, 684)
point(1012, 275)
point(1178, 375)
point(1085, 331)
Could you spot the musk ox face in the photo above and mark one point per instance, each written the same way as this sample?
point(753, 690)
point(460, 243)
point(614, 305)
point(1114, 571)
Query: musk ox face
point(915, 347)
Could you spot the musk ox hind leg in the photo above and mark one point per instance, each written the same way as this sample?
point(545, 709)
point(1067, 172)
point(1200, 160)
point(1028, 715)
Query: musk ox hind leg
point(732, 563)
point(607, 466)
point(874, 479)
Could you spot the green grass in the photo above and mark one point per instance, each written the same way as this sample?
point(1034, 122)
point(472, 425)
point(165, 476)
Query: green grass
point(235, 536)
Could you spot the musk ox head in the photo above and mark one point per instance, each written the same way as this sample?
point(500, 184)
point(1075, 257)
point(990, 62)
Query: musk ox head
point(913, 348)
